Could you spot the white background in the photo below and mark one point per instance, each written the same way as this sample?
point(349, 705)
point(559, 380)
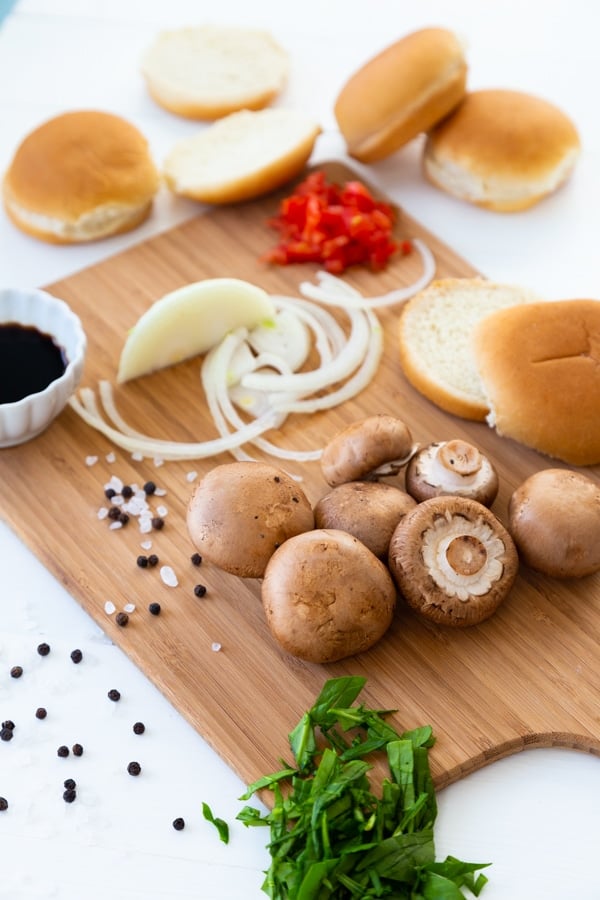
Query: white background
point(534, 816)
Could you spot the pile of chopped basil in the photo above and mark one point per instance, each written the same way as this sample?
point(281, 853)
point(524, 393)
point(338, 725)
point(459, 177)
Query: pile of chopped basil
point(331, 837)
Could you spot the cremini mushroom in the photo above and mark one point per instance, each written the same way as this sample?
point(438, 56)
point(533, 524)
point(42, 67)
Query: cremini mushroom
point(326, 596)
point(366, 450)
point(554, 518)
point(370, 510)
point(451, 467)
point(241, 512)
point(453, 560)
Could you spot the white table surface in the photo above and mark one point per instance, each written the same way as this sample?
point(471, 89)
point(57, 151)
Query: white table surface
point(536, 815)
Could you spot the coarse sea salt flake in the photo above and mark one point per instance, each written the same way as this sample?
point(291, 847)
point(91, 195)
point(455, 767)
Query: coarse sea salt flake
point(215, 646)
point(110, 457)
point(109, 607)
point(114, 526)
point(102, 512)
point(158, 462)
point(168, 576)
point(115, 483)
point(146, 545)
point(137, 456)
point(91, 460)
point(162, 510)
point(191, 476)
point(145, 525)
point(129, 607)
point(159, 492)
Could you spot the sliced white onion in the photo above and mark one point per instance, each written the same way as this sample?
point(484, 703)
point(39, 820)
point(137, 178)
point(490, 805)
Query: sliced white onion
point(286, 336)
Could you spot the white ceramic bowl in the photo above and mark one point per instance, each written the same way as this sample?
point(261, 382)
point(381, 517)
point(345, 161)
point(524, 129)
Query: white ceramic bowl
point(24, 419)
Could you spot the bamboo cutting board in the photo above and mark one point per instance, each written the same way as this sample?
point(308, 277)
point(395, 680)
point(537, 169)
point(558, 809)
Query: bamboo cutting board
point(529, 676)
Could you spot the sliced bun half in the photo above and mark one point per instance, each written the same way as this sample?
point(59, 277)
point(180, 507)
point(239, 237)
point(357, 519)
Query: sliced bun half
point(210, 71)
point(242, 156)
point(79, 177)
point(540, 368)
point(435, 335)
point(401, 92)
point(502, 150)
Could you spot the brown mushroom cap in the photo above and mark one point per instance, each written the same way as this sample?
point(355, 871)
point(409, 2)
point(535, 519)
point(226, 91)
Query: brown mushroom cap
point(451, 467)
point(453, 560)
point(369, 510)
point(356, 452)
point(326, 596)
point(554, 518)
point(241, 512)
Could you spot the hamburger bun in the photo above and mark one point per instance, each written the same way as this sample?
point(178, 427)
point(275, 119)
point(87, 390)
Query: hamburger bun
point(435, 333)
point(502, 150)
point(211, 71)
point(540, 369)
point(242, 156)
point(79, 177)
point(401, 92)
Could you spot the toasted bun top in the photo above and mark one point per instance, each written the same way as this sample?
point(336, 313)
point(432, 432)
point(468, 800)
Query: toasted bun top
point(78, 161)
point(401, 92)
point(505, 133)
point(540, 367)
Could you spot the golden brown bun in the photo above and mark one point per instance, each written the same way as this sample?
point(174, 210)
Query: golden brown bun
point(540, 367)
point(502, 150)
point(401, 92)
point(210, 71)
point(80, 176)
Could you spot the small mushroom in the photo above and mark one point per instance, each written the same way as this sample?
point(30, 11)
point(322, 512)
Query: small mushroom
point(453, 560)
point(241, 512)
point(367, 450)
point(554, 518)
point(326, 596)
point(451, 467)
point(370, 510)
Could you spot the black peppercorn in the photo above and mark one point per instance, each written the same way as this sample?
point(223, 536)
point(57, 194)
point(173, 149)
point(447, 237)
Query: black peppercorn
point(8, 723)
point(122, 619)
point(134, 768)
point(179, 824)
point(139, 728)
point(40, 713)
point(43, 649)
point(126, 491)
point(154, 608)
point(114, 695)
point(63, 751)
point(3, 804)
point(199, 590)
point(114, 512)
point(16, 671)
point(109, 493)
point(69, 795)
point(6, 734)
point(149, 487)
point(196, 559)
point(142, 562)
point(77, 750)
point(123, 518)
point(153, 559)
point(76, 656)
point(158, 522)
point(70, 784)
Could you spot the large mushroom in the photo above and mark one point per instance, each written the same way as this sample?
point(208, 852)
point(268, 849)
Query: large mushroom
point(451, 467)
point(241, 512)
point(326, 596)
point(453, 560)
point(554, 518)
point(370, 510)
point(367, 450)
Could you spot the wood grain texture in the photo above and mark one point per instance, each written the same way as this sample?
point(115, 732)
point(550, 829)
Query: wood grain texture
point(529, 676)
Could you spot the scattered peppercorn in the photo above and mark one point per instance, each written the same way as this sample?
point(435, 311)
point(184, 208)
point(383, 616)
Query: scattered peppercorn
point(196, 559)
point(142, 562)
point(16, 671)
point(3, 804)
point(153, 559)
point(123, 518)
point(158, 522)
point(77, 750)
point(6, 734)
point(149, 487)
point(8, 723)
point(40, 713)
point(126, 491)
point(62, 751)
point(43, 649)
point(76, 656)
point(154, 609)
point(114, 695)
point(122, 619)
point(179, 824)
point(134, 768)
point(114, 512)
point(139, 728)
point(200, 590)
point(70, 784)
point(109, 493)
point(69, 795)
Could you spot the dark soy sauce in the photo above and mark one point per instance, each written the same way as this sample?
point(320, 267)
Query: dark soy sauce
point(29, 361)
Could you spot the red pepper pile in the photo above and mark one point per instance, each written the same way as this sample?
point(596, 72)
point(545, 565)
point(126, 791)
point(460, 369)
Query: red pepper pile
point(336, 226)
